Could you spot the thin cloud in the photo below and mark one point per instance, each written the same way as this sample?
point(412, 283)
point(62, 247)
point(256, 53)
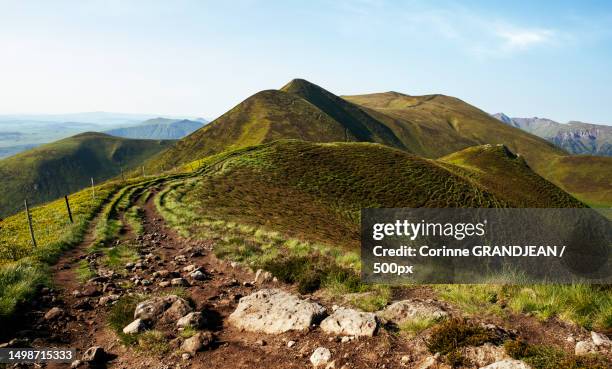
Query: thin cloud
point(522, 39)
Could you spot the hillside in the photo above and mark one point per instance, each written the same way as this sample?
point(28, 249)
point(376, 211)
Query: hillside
point(315, 191)
point(53, 170)
point(158, 129)
point(574, 137)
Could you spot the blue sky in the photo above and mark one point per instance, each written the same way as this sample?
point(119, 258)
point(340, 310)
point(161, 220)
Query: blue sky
point(550, 59)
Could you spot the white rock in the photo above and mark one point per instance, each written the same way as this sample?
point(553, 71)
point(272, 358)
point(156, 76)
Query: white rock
point(190, 268)
point(485, 354)
point(290, 344)
point(320, 356)
point(349, 322)
point(198, 275)
point(54, 313)
point(134, 327)
point(406, 310)
point(600, 339)
point(585, 348)
point(152, 308)
point(261, 276)
point(507, 364)
point(194, 319)
point(274, 311)
point(179, 282)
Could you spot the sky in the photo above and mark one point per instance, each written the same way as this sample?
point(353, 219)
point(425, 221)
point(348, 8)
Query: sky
point(200, 58)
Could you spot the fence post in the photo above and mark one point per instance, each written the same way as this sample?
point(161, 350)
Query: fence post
point(68, 207)
point(122, 177)
point(93, 189)
point(30, 222)
point(143, 171)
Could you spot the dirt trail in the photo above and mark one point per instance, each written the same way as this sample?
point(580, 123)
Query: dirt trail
point(83, 322)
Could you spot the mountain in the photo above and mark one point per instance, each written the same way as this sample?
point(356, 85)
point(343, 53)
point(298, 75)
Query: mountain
point(158, 129)
point(430, 126)
point(314, 191)
point(574, 137)
point(53, 170)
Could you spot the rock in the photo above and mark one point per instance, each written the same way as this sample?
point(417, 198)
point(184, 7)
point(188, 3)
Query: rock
point(405, 359)
point(164, 284)
point(349, 322)
point(508, 364)
point(90, 290)
point(94, 354)
point(332, 365)
point(129, 265)
point(176, 311)
point(274, 311)
point(406, 310)
point(585, 348)
point(320, 356)
point(76, 364)
point(134, 327)
point(186, 356)
point(261, 342)
point(107, 299)
point(179, 282)
point(198, 275)
point(485, 354)
point(154, 307)
point(290, 344)
point(190, 268)
point(262, 276)
point(197, 342)
point(54, 313)
point(194, 319)
point(600, 339)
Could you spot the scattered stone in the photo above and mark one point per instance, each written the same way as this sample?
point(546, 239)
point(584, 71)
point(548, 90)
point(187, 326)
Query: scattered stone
point(262, 276)
point(164, 284)
point(290, 344)
point(134, 327)
point(320, 356)
point(54, 313)
point(179, 282)
point(600, 339)
point(186, 356)
point(261, 342)
point(129, 266)
point(274, 311)
point(197, 342)
point(350, 322)
point(94, 354)
point(194, 319)
point(177, 310)
point(507, 364)
point(485, 354)
point(198, 275)
point(405, 359)
point(154, 307)
point(406, 310)
point(90, 290)
point(332, 365)
point(585, 348)
point(104, 300)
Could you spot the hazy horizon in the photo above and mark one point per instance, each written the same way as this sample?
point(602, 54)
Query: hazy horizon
point(199, 59)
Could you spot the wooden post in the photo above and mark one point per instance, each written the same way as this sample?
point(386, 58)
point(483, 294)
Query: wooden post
point(30, 222)
point(143, 172)
point(68, 207)
point(122, 177)
point(93, 189)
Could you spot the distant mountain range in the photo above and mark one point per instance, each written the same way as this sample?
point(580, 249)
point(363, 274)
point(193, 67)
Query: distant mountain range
point(159, 129)
point(575, 137)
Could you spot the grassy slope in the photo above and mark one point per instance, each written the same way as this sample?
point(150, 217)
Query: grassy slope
point(315, 191)
point(438, 125)
point(53, 170)
point(497, 169)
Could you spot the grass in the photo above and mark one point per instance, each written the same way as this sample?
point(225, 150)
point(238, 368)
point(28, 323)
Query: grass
point(153, 342)
point(455, 333)
point(18, 283)
point(589, 306)
point(122, 314)
point(116, 257)
point(547, 357)
point(50, 171)
point(83, 271)
point(413, 327)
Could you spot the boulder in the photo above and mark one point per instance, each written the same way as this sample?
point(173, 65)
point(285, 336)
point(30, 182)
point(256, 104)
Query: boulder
point(94, 354)
point(54, 313)
point(320, 357)
point(406, 310)
point(197, 275)
point(600, 340)
point(134, 327)
point(275, 311)
point(104, 300)
point(261, 276)
point(194, 319)
point(197, 342)
point(179, 282)
point(349, 322)
point(485, 354)
point(153, 308)
point(507, 364)
point(176, 311)
point(585, 348)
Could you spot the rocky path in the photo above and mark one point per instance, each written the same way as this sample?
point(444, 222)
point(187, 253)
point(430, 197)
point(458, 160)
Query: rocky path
point(242, 319)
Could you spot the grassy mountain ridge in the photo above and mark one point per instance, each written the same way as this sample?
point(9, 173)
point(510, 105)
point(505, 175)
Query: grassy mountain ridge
point(314, 191)
point(53, 170)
